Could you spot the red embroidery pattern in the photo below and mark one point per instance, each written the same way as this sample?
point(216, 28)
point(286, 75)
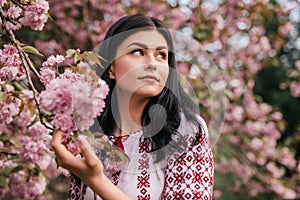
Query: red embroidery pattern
point(143, 163)
point(77, 189)
point(143, 180)
point(146, 197)
point(190, 176)
point(115, 178)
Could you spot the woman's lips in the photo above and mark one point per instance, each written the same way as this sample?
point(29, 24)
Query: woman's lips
point(149, 77)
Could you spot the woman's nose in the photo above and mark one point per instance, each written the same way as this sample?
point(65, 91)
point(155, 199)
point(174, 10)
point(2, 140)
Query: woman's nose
point(150, 66)
point(151, 63)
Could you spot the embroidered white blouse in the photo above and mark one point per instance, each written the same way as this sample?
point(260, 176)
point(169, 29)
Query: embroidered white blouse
point(185, 174)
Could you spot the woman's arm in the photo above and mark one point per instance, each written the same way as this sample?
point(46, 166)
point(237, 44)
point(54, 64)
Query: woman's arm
point(88, 168)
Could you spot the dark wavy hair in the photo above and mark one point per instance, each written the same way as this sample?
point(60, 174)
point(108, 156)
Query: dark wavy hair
point(172, 100)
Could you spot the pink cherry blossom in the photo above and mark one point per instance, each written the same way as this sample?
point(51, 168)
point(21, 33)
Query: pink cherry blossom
point(74, 147)
point(53, 60)
point(2, 2)
point(70, 75)
point(35, 152)
point(295, 88)
point(37, 130)
point(285, 29)
point(13, 26)
point(5, 162)
point(85, 115)
point(57, 97)
point(255, 188)
point(8, 73)
point(48, 48)
point(47, 75)
point(9, 109)
point(276, 171)
point(13, 12)
point(63, 122)
point(10, 58)
point(238, 113)
point(35, 15)
point(256, 144)
point(281, 190)
point(183, 68)
point(276, 116)
point(287, 158)
point(24, 118)
point(102, 89)
point(26, 187)
point(84, 67)
point(81, 91)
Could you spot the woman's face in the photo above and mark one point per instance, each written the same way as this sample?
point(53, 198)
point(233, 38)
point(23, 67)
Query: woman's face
point(141, 66)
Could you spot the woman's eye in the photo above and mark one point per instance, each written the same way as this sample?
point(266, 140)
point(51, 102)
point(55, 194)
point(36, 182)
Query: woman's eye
point(162, 55)
point(137, 52)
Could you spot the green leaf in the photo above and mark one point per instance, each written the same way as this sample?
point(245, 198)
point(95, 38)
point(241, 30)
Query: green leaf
point(76, 58)
point(74, 136)
point(31, 49)
point(90, 137)
point(3, 181)
point(70, 53)
point(17, 168)
point(5, 172)
point(20, 43)
point(95, 58)
point(18, 86)
point(4, 138)
point(3, 96)
point(35, 170)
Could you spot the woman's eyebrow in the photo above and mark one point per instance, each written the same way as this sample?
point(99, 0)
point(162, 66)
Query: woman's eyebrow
point(145, 46)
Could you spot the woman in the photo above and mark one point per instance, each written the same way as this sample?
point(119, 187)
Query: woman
point(150, 117)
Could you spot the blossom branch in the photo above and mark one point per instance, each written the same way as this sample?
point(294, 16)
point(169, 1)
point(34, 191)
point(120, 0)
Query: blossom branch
point(86, 20)
point(28, 66)
point(19, 4)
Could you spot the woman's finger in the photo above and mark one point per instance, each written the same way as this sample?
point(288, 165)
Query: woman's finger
point(85, 165)
point(87, 152)
point(56, 139)
point(64, 157)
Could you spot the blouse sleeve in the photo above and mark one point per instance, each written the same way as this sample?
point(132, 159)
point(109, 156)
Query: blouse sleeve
point(191, 175)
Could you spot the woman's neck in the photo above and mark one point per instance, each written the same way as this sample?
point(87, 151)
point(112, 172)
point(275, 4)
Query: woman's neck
point(130, 113)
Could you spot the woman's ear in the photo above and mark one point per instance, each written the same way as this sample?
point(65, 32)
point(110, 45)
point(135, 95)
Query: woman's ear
point(111, 72)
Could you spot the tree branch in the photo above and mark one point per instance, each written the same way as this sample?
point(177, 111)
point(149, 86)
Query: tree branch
point(86, 21)
point(28, 66)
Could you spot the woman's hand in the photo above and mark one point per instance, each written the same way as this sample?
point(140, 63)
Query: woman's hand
point(87, 168)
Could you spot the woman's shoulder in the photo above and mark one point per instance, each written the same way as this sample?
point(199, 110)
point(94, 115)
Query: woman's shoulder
point(203, 124)
point(189, 133)
point(192, 128)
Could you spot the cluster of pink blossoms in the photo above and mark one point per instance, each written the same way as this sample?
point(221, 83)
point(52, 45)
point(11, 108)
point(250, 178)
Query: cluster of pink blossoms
point(12, 67)
point(35, 150)
point(26, 186)
point(9, 108)
point(29, 14)
point(35, 15)
point(28, 140)
point(74, 98)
